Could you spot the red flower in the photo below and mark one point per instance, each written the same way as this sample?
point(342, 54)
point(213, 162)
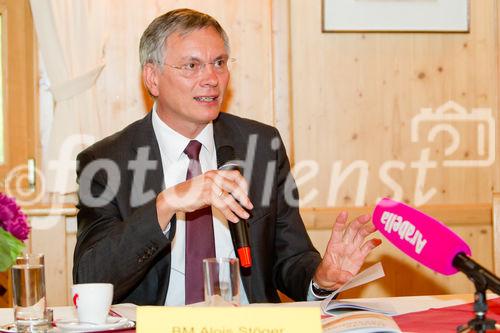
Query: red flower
point(12, 219)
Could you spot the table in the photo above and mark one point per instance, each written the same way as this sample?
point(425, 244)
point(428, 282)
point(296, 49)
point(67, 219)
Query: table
point(402, 305)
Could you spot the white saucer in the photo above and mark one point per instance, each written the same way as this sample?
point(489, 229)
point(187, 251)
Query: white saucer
point(8, 328)
point(111, 324)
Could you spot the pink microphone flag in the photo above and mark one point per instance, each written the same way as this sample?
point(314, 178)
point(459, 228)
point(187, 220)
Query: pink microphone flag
point(420, 236)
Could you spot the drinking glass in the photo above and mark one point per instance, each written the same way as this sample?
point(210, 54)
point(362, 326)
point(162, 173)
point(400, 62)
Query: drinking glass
point(221, 281)
point(28, 286)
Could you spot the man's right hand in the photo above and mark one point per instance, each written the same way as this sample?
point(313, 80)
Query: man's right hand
point(226, 190)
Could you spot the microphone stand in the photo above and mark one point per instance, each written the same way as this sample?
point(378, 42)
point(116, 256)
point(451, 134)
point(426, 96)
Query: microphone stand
point(483, 280)
point(479, 323)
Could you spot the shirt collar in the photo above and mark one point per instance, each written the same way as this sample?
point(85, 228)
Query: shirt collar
point(174, 143)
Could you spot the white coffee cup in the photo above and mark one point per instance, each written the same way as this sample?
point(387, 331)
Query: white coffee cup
point(92, 301)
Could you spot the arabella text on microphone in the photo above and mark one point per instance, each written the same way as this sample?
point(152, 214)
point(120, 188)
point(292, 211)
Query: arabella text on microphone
point(406, 230)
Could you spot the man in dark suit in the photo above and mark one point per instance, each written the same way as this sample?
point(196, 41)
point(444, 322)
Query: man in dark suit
point(139, 210)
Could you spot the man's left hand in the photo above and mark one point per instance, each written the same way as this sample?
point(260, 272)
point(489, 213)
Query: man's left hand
point(346, 251)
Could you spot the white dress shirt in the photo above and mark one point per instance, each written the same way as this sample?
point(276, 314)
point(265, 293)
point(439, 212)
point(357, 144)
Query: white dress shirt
point(175, 164)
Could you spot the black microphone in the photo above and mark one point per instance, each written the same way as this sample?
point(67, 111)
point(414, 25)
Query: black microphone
point(239, 230)
point(477, 273)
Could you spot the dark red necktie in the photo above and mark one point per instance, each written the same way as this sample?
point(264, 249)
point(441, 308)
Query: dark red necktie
point(200, 242)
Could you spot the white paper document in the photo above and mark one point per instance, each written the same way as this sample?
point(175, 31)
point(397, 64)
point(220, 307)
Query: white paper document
point(332, 306)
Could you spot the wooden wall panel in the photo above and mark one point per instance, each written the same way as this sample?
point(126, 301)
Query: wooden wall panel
point(496, 175)
point(48, 237)
point(282, 93)
point(355, 94)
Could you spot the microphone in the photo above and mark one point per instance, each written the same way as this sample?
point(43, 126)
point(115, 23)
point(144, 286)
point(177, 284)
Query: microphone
point(429, 242)
point(239, 230)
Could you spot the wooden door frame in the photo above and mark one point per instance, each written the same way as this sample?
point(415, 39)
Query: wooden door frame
point(20, 91)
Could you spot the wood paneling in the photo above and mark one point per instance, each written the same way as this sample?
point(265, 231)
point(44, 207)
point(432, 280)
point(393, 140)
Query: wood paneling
point(457, 215)
point(282, 93)
point(496, 177)
point(354, 98)
point(48, 237)
point(355, 94)
point(53, 233)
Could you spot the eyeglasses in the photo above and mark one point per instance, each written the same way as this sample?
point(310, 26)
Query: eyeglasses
point(194, 68)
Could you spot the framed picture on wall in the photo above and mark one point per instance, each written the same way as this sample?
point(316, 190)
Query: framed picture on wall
point(395, 15)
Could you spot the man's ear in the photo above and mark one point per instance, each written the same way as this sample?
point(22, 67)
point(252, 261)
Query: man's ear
point(150, 74)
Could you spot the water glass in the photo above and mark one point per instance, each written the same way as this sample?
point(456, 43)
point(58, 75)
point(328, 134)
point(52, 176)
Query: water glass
point(221, 281)
point(28, 286)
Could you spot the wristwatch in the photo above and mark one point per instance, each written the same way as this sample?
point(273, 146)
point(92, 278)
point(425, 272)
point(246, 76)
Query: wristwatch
point(320, 292)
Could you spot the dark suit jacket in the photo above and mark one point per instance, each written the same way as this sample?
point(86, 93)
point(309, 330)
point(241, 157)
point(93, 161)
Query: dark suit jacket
point(123, 244)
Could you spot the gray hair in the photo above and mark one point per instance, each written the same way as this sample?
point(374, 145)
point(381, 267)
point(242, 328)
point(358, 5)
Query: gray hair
point(153, 46)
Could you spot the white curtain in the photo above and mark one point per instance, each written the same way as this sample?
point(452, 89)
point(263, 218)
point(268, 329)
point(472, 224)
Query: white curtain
point(71, 40)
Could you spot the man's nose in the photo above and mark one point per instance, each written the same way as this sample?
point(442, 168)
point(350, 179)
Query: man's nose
point(209, 75)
